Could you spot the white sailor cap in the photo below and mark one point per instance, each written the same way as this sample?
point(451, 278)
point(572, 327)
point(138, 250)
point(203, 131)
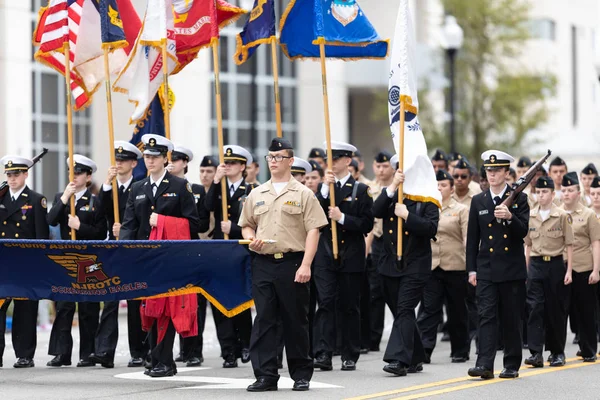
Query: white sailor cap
point(394, 161)
point(83, 164)
point(341, 149)
point(156, 145)
point(301, 166)
point(237, 153)
point(496, 159)
point(126, 151)
point(181, 153)
point(15, 163)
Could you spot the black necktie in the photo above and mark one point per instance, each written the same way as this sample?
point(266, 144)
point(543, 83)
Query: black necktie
point(497, 200)
point(231, 190)
point(13, 199)
point(154, 188)
point(339, 184)
point(122, 189)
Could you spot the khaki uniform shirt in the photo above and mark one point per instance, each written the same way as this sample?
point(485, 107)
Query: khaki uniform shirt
point(549, 237)
point(378, 223)
point(466, 199)
point(474, 187)
point(586, 230)
point(286, 217)
point(448, 251)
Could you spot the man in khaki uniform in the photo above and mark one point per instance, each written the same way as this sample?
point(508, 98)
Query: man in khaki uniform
point(448, 280)
point(283, 210)
point(595, 196)
point(587, 177)
point(439, 161)
point(463, 191)
point(586, 266)
point(558, 169)
point(550, 234)
point(523, 166)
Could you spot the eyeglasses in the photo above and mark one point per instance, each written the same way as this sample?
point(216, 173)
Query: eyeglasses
point(460, 176)
point(270, 158)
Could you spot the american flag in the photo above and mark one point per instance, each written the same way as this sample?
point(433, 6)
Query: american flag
point(59, 23)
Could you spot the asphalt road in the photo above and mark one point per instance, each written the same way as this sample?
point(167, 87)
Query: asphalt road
point(439, 380)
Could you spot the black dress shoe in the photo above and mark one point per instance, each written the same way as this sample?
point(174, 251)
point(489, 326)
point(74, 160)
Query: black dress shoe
point(262, 385)
point(364, 350)
point(146, 371)
point(85, 363)
point(428, 353)
point(396, 368)
point(481, 372)
point(301, 385)
point(136, 362)
point(374, 348)
point(194, 362)
point(245, 355)
point(589, 359)
point(460, 359)
point(179, 358)
point(445, 337)
point(413, 369)
point(59, 361)
point(161, 371)
point(559, 360)
point(508, 373)
point(24, 363)
point(536, 360)
point(323, 362)
point(348, 365)
point(551, 357)
point(103, 359)
point(578, 353)
point(230, 361)
point(576, 339)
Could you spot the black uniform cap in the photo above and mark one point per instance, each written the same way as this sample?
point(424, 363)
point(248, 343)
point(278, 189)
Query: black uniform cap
point(596, 182)
point(462, 164)
point(557, 162)
point(209, 161)
point(524, 162)
point(383, 156)
point(354, 164)
point(439, 156)
point(315, 165)
point(316, 152)
point(281, 144)
point(570, 179)
point(544, 182)
point(590, 169)
point(443, 175)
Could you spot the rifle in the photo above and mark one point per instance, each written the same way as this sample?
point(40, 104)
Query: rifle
point(36, 159)
point(525, 180)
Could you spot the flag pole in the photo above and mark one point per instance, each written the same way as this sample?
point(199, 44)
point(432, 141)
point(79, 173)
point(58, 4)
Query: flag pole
point(215, 51)
point(111, 135)
point(328, 138)
point(67, 54)
point(167, 108)
point(276, 85)
point(401, 168)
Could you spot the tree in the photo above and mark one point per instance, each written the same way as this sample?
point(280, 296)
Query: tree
point(499, 101)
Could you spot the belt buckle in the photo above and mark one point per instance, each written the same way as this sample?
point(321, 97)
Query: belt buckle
point(278, 256)
point(546, 258)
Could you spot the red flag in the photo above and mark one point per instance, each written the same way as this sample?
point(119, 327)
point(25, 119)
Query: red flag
point(197, 24)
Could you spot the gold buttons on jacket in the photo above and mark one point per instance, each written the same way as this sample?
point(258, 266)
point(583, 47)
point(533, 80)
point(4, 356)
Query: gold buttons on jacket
point(16, 235)
point(506, 249)
point(18, 224)
point(505, 236)
point(491, 237)
point(392, 218)
point(406, 233)
point(342, 242)
point(4, 222)
point(3, 234)
point(229, 206)
point(489, 225)
point(491, 250)
point(391, 231)
point(152, 208)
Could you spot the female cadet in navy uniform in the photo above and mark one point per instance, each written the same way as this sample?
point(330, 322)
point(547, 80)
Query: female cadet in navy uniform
point(22, 216)
point(496, 265)
point(404, 280)
point(233, 333)
point(89, 223)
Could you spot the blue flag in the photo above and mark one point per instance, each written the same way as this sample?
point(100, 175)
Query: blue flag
point(259, 29)
point(97, 271)
point(341, 24)
point(111, 24)
point(153, 121)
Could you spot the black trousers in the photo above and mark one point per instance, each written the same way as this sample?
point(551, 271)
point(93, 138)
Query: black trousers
point(139, 346)
point(278, 297)
point(548, 302)
point(377, 307)
point(452, 287)
point(584, 304)
point(347, 287)
point(162, 352)
point(24, 327)
point(365, 315)
point(471, 301)
point(504, 299)
point(61, 340)
point(192, 346)
point(233, 333)
point(402, 295)
point(108, 330)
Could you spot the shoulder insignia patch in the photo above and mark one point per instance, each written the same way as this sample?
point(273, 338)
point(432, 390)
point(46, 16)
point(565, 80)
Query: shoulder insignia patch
point(189, 187)
point(44, 203)
point(369, 191)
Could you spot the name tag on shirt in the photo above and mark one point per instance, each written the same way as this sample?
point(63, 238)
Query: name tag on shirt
point(140, 196)
point(260, 203)
point(484, 212)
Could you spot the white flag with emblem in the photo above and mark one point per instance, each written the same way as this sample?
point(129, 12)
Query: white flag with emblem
point(420, 183)
point(143, 74)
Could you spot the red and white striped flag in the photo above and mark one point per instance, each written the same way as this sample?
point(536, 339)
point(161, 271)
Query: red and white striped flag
point(78, 23)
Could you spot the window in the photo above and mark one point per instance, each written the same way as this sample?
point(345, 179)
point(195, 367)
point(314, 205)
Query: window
point(544, 29)
point(247, 95)
point(49, 124)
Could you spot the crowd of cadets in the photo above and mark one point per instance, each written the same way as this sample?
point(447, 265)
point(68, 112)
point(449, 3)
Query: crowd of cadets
point(508, 277)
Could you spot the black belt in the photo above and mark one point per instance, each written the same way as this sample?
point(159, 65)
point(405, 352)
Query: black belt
point(547, 258)
point(282, 256)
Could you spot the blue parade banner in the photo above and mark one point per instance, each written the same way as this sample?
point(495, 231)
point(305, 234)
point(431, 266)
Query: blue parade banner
point(95, 271)
point(259, 29)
